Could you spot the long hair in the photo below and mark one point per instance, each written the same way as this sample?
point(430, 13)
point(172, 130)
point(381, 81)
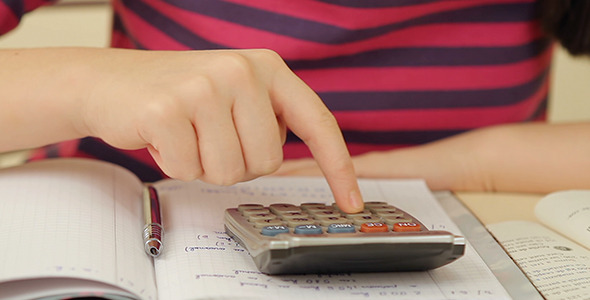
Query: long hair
point(568, 21)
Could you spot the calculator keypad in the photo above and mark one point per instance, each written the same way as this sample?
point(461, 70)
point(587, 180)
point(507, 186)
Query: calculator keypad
point(318, 218)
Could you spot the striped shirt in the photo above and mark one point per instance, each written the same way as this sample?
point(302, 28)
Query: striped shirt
point(395, 73)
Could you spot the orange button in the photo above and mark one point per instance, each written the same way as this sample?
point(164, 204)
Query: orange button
point(374, 227)
point(406, 226)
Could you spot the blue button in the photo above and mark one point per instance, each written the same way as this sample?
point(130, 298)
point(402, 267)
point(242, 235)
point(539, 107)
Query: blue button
point(308, 229)
point(274, 230)
point(341, 228)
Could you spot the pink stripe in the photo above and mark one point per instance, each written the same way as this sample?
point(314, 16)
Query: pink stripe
point(32, 4)
point(146, 34)
point(460, 118)
point(291, 151)
point(8, 20)
point(239, 36)
point(120, 40)
point(363, 17)
point(425, 78)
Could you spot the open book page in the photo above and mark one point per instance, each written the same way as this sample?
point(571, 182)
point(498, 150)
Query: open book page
point(558, 267)
point(77, 219)
point(201, 262)
point(567, 212)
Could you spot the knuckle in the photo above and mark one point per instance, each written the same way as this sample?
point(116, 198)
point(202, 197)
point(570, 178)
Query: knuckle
point(159, 109)
point(236, 65)
point(267, 166)
point(226, 178)
point(200, 85)
point(327, 118)
point(268, 56)
point(324, 120)
point(186, 174)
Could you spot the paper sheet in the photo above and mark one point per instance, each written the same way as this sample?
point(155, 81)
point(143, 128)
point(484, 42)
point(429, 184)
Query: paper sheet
point(558, 267)
point(201, 261)
point(567, 212)
point(75, 219)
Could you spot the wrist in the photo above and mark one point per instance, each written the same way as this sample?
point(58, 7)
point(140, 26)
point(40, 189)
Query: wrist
point(42, 93)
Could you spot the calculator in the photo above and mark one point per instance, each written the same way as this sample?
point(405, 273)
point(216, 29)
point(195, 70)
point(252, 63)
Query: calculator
point(319, 238)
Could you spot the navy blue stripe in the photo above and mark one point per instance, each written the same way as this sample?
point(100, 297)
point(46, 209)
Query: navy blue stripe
point(377, 3)
point(397, 137)
point(329, 34)
point(393, 138)
point(430, 56)
point(357, 101)
point(105, 152)
point(168, 26)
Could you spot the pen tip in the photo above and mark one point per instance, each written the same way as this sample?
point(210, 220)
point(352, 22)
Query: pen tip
point(154, 251)
point(153, 247)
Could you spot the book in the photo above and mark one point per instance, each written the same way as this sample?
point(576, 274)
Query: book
point(73, 228)
point(554, 253)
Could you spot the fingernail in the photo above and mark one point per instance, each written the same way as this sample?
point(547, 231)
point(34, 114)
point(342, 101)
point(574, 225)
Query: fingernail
point(356, 201)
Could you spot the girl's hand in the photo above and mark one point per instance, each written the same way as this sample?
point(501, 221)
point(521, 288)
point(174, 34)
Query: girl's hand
point(219, 116)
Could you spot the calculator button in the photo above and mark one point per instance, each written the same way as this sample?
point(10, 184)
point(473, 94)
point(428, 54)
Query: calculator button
point(254, 211)
point(370, 204)
point(365, 219)
point(271, 222)
point(274, 230)
point(374, 227)
point(325, 214)
point(406, 227)
point(317, 209)
point(377, 208)
point(242, 207)
point(283, 208)
point(308, 229)
point(305, 206)
point(300, 221)
point(389, 213)
point(364, 213)
point(392, 220)
point(341, 228)
point(294, 215)
point(259, 217)
point(333, 220)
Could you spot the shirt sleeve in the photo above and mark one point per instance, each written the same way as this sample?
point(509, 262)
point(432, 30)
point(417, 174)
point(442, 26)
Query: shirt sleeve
point(11, 11)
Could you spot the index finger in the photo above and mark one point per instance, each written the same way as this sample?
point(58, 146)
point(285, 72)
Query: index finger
point(306, 115)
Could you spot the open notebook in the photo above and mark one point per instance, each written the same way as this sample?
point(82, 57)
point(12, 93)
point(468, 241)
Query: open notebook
point(74, 227)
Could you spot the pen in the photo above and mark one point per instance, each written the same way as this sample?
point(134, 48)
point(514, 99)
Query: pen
point(153, 230)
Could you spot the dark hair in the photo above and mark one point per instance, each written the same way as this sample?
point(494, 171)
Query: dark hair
point(568, 21)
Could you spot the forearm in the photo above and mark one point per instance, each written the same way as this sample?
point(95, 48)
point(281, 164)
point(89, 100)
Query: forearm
point(41, 90)
point(523, 157)
point(536, 157)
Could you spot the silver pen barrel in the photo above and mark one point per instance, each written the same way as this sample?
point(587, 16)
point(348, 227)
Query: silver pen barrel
point(152, 239)
point(153, 230)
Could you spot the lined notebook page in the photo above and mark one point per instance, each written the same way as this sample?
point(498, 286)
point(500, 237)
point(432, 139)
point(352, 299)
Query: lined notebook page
point(202, 262)
point(74, 218)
